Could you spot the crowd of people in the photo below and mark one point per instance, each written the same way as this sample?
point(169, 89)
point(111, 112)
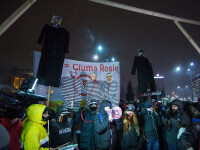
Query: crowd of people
point(151, 126)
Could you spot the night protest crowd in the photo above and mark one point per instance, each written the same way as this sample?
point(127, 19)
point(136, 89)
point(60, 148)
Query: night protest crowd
point(143, 125)
point(97, 125)
point(151, 126)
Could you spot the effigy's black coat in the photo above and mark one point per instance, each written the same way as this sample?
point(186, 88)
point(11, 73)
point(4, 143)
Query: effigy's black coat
point(145, 73)
point(55, 43)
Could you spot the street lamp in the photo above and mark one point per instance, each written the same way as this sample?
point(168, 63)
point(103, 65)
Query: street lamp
point(190, 71)
point(181, 91)
point(113, 59)
point(99, 48)
point(96, 57)
point(106, 57)
point(191, 64)
point(178, 68)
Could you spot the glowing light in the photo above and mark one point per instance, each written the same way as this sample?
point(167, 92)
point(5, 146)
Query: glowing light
point(178, 68)
point(100, 48)
point(34, 84)
point(113, 59)
point(96, 57)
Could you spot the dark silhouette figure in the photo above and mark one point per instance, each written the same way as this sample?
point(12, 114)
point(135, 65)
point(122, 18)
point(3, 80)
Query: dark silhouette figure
point(145, 73)
point(55, 43)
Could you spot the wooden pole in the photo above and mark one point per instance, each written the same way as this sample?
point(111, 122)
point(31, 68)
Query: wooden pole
point(49, 92)
point(48, 99)
point(187, 35)
point(9, 21)
point(144, 11)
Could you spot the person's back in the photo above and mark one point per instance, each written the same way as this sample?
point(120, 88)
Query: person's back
point(34, 135)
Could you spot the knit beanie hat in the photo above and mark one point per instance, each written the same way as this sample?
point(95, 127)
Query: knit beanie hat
point(129, 108)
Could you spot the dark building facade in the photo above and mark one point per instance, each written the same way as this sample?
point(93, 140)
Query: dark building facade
point(196, 87)
point(14, 76)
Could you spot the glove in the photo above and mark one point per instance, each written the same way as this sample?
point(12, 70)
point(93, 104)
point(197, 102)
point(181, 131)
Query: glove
point(110, 118)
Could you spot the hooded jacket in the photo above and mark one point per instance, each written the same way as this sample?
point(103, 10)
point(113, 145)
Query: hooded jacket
point(182, 119)
point(87, 128)
point(105, 131)
point(34, 135)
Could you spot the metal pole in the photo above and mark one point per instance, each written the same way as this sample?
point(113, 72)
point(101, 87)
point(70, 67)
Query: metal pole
point(182, 93)
point(144, 11)
point(187, 35)
point(8, 22)
point(155, 14)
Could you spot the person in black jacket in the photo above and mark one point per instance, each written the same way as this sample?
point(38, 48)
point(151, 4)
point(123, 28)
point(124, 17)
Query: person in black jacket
point(61, 128)
point(106, 128)
point(190, 139)
point(144, 72)
point(131, 138)
point(87, 139)
point(176, 120)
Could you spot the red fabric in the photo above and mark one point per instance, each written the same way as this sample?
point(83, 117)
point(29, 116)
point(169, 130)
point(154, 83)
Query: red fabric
point(14, 131)
point(125, 107)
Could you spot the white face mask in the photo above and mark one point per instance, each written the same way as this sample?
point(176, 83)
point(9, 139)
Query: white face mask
point(141, 54)
point(107, 108)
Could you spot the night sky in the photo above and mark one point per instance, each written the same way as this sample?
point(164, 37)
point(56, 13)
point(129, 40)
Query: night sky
point(121, 32)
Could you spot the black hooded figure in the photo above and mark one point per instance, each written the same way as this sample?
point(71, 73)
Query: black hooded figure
point(55, 43)
point(145, 73)
point(106, 130)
